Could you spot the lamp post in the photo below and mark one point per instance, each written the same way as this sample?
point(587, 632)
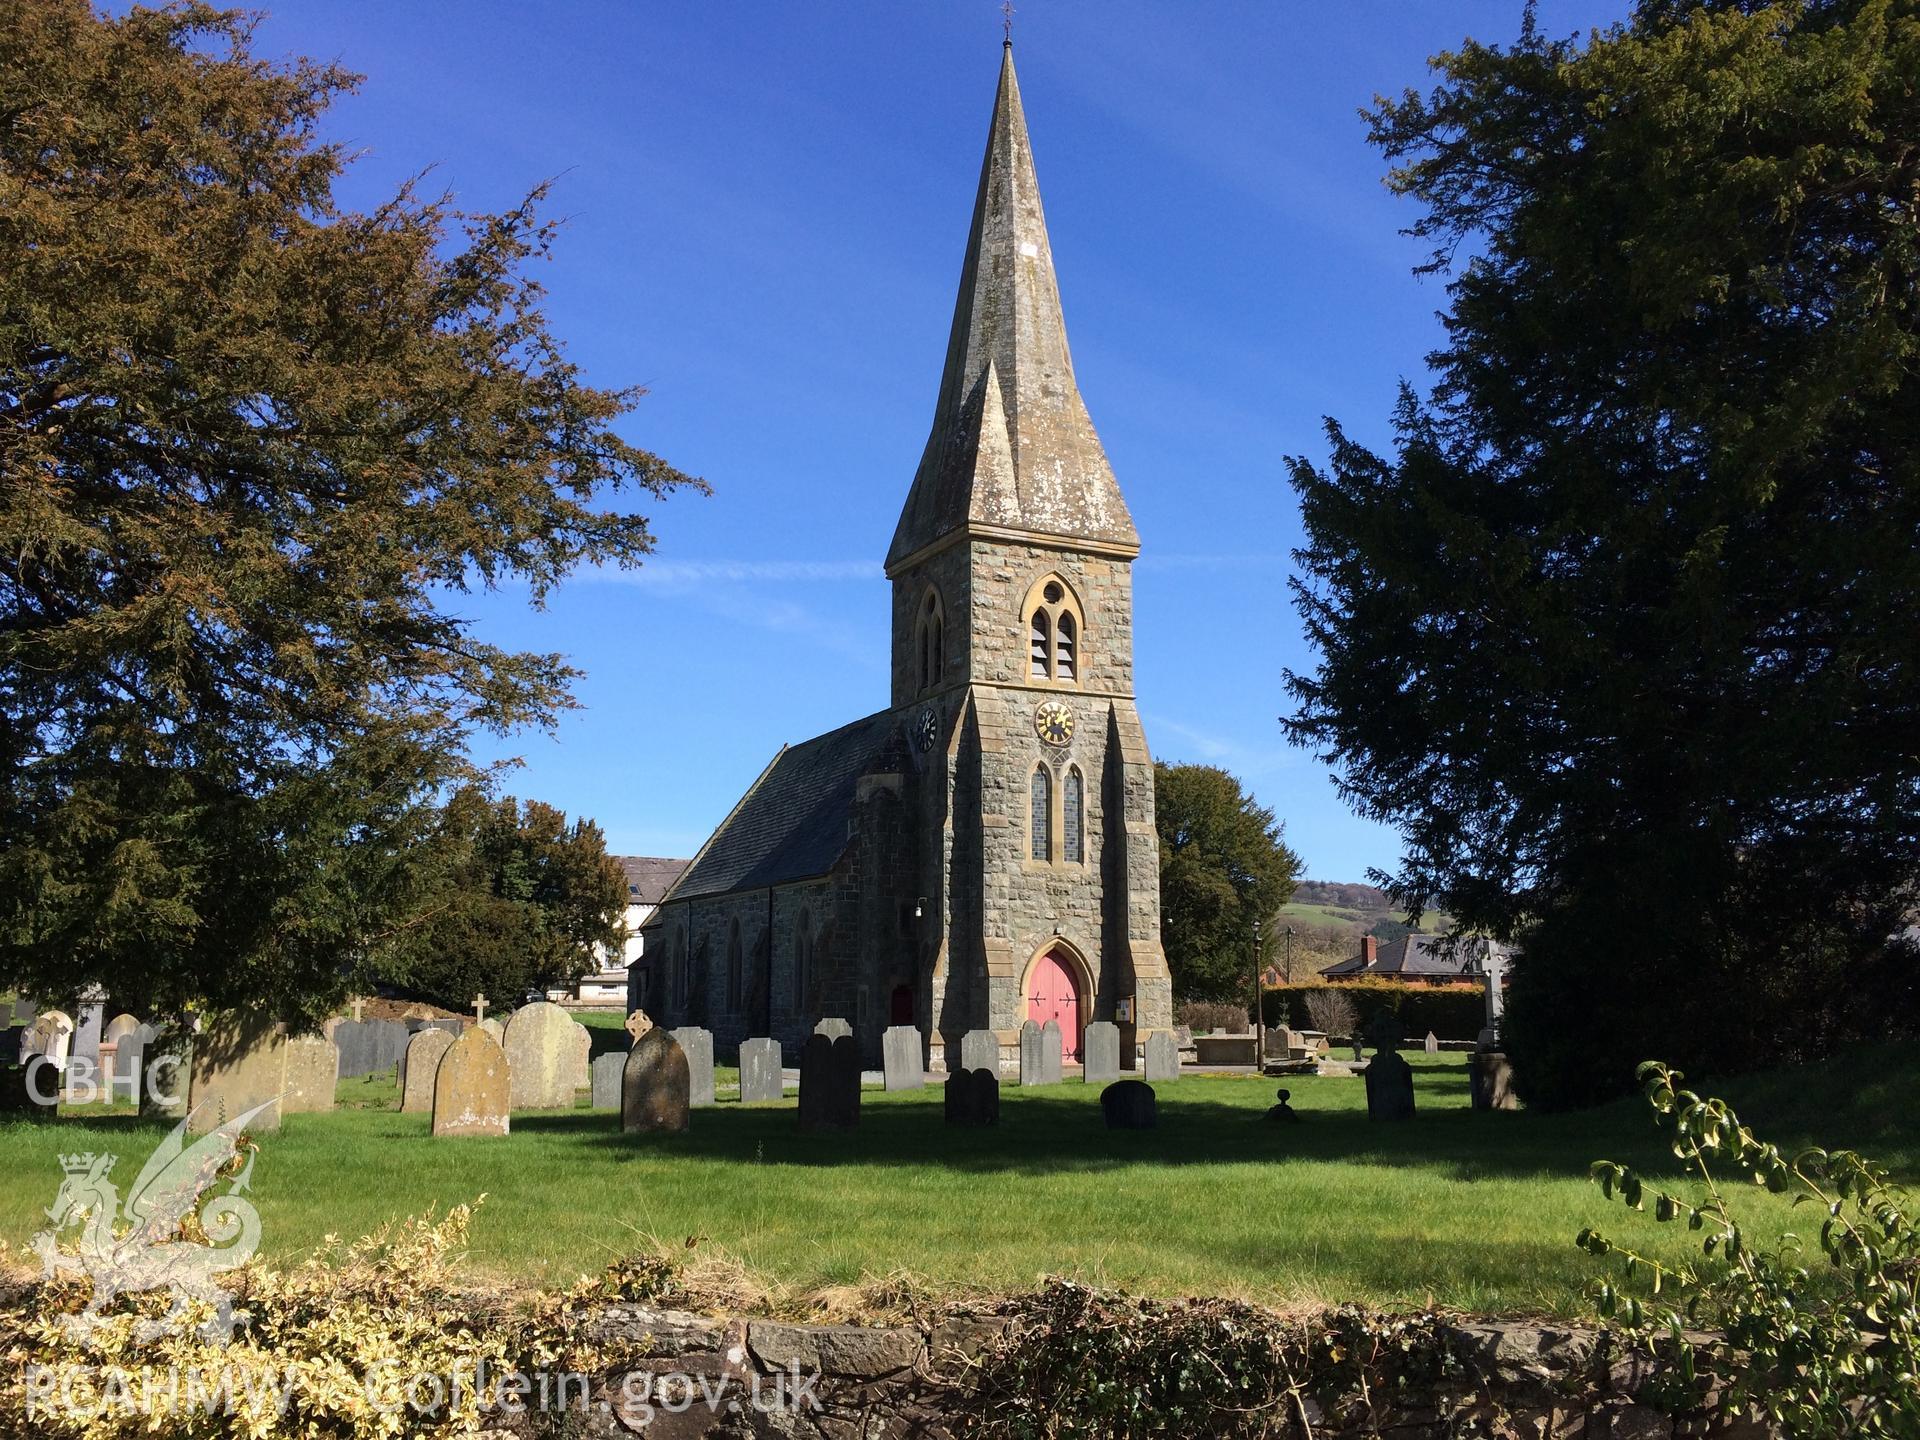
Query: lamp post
point(1259, 1008)
point(1289, 954)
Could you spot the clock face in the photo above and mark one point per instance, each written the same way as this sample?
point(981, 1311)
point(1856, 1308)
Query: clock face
point(1053, 723)
point(926, 729)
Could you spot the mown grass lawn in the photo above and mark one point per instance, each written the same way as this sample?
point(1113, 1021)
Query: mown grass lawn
point(1476, 1211)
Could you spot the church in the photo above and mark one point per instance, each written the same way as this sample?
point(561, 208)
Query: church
point(982, 851)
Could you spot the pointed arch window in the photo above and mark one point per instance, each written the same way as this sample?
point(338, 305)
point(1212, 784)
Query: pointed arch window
point(1041, 646)
point(1041, 845)
point(1073, 819)
point(735, 988)
point(930, 641)
point(1055, 626)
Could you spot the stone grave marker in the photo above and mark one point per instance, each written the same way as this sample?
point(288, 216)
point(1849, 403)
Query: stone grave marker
point(980, 1050)
point(972, 1098)
point(497, 1030)
point(238, 1063)
point(697, 1043)
point(1033, 1053)
point(313, 1073)
point(472, 1090)
point(13, 1040)
point(833, 1028)
point(128, 1053)
point(86, 1035)
point(606, 1071)
point(829, 1083)
point(903, 1058)
point(638, 1023)
point(1389, 1086)
point(541, 1051)
point(1433, 1043)
point(654, 1085)
point(1100, 1053)
point(582, 1058)
point(1129, 1105)
point(424, 1054)
point(31, 1090)
point(760, 1077)
point(51, 1036)
point(1490, 1081)
point(1163, 1056)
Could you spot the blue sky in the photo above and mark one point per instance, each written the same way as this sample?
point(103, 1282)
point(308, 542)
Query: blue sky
point(766, 206)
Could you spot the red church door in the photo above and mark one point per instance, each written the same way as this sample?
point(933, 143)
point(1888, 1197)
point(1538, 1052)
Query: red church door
point(1052, 995)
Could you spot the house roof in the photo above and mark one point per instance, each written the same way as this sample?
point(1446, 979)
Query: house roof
point(792, 823)
point(1423, 957)
point(649, 877)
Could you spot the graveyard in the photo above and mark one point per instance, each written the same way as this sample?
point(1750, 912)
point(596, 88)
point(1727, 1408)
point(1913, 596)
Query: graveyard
point(1474, 1210)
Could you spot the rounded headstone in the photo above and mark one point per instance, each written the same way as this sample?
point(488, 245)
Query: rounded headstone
point(542, 1053)
point(313, 1075)
point(1129, 1105)
point(472, 1090)
point(424, 1053)
point(655, 1085)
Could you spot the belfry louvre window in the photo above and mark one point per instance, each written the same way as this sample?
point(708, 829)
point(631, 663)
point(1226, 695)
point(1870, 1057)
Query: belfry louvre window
point(1042, 817)
point(933, 642)
point(1063, 647)
point(1073, 819)
point(1054, 625)
point(1042, 646)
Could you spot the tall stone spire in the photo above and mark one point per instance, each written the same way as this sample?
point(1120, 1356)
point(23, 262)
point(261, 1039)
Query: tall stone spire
point(1012, 450)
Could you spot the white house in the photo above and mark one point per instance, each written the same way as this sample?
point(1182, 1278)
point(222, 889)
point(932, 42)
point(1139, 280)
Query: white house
point(648, 878)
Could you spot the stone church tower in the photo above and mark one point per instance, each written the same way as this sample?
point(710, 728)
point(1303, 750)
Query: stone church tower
point(983, 850)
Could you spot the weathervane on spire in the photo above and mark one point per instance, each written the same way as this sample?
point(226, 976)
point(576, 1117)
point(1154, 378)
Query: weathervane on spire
point(1006, 19)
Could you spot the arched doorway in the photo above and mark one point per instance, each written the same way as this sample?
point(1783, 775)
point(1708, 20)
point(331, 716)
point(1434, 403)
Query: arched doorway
point(1054, 994)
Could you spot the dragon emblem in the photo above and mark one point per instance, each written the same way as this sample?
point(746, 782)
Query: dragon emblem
point(141, 1246)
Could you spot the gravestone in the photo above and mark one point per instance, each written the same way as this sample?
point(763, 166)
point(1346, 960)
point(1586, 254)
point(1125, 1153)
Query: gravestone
point(903, 1058)
point(51, 1036)
point(369, 1046)
point(117, 1028)
point(1039, 1053)
point(1433, 1043)
point(1490, 1081)
point(1359, 1052)
point(1129, 1105)
point(1389, 1086)
point(238, 1063)
point(638, 1023)
point(1163, 1056)
point(472, 1088)
point(86, 1034)
point(13, 1040)
point(424, 1053)
point(540, 1057)
point(582, 1059)
point(829, 1083)
point(980, 1050)
point(606, 1071)
point(1384, 1031)
point(1100, 1053)
point(833, 1028)
point(698, 1045)
point(30, 1091)
point(497, 1030)
point(654, 1085)
point(127, 1052)
point(973, 1098)
point(760, 1077)
point(313, 1074)
point(166, 1070)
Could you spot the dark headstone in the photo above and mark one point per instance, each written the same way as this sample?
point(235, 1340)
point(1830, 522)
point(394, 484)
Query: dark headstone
point(698, 1045)
point(86, 1036)
point(1100, 1054)
point(1490, 1081)
point(973, 1098)
point(369, 1046)
point(31, 1090)
point(1129, 1105)
point(1283, 1112)
point(1389, 1086)
point(760, 1077)
point(1384, 1031)
point(829, 1083)
point(903, 1058)
point(655, 1087)
point(11, 1040)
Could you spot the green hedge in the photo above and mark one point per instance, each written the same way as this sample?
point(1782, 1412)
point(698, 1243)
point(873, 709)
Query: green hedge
point(1452, 1012)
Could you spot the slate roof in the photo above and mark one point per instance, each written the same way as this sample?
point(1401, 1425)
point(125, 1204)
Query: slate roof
point(649, 877)
point(1420, 957)
point(792, 825)
point(1012, 446)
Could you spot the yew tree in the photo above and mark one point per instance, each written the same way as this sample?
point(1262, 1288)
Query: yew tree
point(254, 447)
point(1224, 870)
point(1622, 633)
